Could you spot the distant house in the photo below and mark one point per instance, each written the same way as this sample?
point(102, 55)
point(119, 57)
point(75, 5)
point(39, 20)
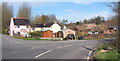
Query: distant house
point(84, 29)
point(90, 27)
point(47, 28)
point(111, 30)
point(19, 26)
point(66, 31)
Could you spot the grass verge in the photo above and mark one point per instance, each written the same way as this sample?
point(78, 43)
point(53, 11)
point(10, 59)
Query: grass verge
point(96, 38)
point(110, 55)
point(37, 39)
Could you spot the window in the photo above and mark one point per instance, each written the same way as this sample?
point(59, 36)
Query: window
point(18, 26)
point(33, 28)
point(110, 30)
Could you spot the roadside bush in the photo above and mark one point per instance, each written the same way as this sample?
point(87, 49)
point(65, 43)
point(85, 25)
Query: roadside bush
point(65, 38)
point(36, 34)
point(86, 35)
point(4, 31)
point(104, 46)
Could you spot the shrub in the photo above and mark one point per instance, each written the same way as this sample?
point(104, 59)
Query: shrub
point(86, 35)
point(4, 31)
point(36, 34)
point(65, 38)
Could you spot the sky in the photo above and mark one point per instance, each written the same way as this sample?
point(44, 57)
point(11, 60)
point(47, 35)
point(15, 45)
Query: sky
point(72, 11)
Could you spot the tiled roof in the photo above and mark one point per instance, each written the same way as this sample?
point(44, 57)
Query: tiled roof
point(21, 21)
point(43, 25)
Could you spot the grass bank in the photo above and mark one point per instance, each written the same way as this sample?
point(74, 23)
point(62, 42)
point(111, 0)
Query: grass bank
point(96, 38)
point(106, 53)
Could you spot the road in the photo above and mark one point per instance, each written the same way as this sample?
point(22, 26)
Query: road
point(34, 49)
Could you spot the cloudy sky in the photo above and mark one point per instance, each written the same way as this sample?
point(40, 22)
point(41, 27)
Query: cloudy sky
point(72, 11)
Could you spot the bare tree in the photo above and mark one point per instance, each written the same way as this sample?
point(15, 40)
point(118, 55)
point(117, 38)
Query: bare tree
point(24, 11)
point(0, 18)
point(52, 18)
point(36, 20)
point(115, 7)
point(44, 19)
point(7, 13)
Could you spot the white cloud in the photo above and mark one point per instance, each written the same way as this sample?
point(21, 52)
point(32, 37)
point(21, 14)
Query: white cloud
point(38, 4)
point(103, 13)
point(84, 3)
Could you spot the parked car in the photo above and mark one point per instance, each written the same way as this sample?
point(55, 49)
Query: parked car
point(71, 36)
point(80, 38)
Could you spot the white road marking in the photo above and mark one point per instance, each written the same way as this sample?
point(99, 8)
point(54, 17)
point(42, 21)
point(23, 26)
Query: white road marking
point(43, 54)
point(67, 45)
point(64, 46)
point(60, 47)
point(18, 42)
point(88, 56)
point(90, 53)
point(80, 43)
point(33, 48)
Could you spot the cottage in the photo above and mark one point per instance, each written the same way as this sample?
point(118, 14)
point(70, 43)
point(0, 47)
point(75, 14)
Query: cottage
point(19, 26)
point(47, 28)
point(111, 30)
point(90, 27)
point(65, 32)
point(68, 31)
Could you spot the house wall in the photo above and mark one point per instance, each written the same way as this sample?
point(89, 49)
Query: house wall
point(37, 29)
point(55, 28)
point(11, 27)
point(110, 31)
point(46, 28)
point(16, 29)
point(68, 31)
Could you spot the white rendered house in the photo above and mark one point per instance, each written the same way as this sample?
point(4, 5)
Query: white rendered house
point(20, 26)
point(55, 27)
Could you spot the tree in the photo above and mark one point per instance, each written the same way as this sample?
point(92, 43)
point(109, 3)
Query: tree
point(64, 21)
point(24, 11)
point(77, 23)
point(99, 19)
point(115, 7)
point(52, 18)
point(36, 34)
point(36, 20)
point(85, 21)
point(0, 18)
point(7, 13)
point(43, 19)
